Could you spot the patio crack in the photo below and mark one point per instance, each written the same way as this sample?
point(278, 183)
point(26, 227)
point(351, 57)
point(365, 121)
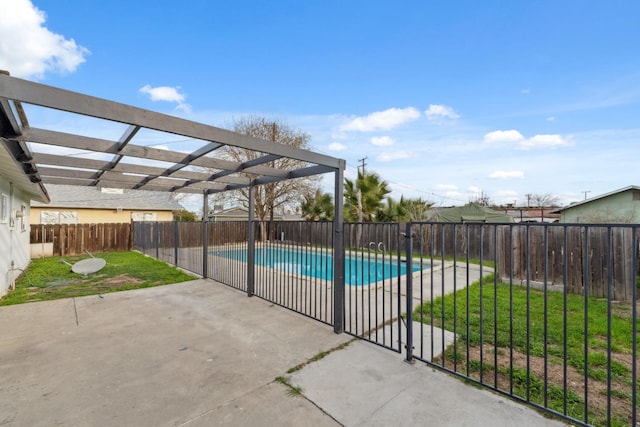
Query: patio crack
point(75, 310)
point(223, 404)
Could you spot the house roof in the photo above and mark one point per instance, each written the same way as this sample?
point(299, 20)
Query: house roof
point(15, 171)
point(243, 213)
point(601, 196)
point(235, 211)
point(471, 212)
point(68, 196)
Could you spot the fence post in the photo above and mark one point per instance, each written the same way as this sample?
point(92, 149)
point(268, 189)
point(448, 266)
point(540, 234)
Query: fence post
point(176, 242)
point(338, 256)
point(251, 245)
point(205, 248)
point(156, 228)
point(409, 294)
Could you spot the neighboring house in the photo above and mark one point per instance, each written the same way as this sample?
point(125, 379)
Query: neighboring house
point(241, 214)
point(18, 187)
point(91, 205)
point(232, 214)
point(525, 214)
point(620, 206)
point(471, 212)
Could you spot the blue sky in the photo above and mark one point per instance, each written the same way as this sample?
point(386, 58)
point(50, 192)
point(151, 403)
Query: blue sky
point(446, 100)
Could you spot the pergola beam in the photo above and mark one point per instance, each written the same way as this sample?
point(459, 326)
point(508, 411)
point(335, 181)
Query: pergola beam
point(60, 99)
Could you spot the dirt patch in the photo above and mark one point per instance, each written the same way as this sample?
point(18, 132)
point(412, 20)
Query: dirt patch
point(85, 286)
point(504, 378)
point(119, 281)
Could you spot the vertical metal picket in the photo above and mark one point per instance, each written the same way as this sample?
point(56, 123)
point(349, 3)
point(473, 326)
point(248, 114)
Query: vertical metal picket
point(408, 235)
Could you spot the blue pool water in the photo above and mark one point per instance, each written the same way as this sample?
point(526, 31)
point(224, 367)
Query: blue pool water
point(358, 271)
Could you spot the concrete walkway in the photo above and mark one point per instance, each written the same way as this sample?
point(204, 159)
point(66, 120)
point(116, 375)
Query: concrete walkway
point(202, 354)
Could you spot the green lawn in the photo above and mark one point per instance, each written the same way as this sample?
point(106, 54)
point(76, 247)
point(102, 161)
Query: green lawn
point(48, 279)
point(530, 327)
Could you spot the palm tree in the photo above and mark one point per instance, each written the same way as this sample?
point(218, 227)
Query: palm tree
point(418, 210)
point(318, 207)
point(363, 201)
point(364, 197)
point(394, 211)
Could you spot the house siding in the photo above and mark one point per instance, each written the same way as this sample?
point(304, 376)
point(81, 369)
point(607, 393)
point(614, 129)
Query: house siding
point(623, 207)
point(14, 236)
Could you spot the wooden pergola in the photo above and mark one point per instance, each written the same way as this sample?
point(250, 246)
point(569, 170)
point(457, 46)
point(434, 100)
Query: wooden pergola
point(121, 163)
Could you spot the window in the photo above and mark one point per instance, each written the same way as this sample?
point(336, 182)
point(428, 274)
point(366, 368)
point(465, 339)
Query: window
point(4, 208)
point(143, 216)
point(58, 217)
point(21, 214)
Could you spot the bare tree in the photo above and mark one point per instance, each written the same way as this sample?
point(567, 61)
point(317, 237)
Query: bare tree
point(279, 196)
point(543, 200)
point(481, 199)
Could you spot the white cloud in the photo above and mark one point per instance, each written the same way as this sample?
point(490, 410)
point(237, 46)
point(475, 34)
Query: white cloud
point(381, 120)
point(336, 146)
point(382, 141)
point(438, 112)
point(163, 93)
point(525, 91)
point(395, 155)
point(536, 141)
point(551, 119)
point(506, 174)
point(28, 48)
point(166, 93)
point(503, 136)
point(544, 141)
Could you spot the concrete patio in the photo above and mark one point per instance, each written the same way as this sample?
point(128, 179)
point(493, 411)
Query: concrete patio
point(200, 354)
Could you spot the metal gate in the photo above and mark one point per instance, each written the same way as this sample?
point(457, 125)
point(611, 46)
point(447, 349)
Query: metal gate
point(546, 314)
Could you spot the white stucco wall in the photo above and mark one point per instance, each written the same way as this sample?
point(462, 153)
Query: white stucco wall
point(14, 234)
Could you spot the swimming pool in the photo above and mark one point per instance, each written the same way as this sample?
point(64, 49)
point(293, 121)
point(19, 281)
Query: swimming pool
point(359, 271)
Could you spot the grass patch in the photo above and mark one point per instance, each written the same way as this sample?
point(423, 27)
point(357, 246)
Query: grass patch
point(514, 330)
point(48, 279)
point(291, 389)
point(319, 356)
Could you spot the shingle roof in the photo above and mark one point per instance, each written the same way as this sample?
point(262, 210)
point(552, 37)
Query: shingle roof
point(70, 196)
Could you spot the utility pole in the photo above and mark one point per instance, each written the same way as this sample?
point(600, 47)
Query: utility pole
point(585, 193)
point(364, 164)
point(528, 200)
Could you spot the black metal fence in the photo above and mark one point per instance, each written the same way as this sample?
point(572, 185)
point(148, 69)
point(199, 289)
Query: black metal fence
point(374, 269)
point(546, 314)
point(503, 319)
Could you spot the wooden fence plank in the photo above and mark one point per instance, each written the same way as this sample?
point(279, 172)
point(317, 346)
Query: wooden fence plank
point(74, 239)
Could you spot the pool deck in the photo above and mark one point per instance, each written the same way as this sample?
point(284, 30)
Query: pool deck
point(202, 354)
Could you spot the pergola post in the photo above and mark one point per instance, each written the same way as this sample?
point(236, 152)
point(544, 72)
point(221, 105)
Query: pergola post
point(338, 254)
point(176, 242)
point(205, 240)
point(251, 245)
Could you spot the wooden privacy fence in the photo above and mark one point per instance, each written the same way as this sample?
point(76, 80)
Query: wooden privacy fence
point(74, 239)
point(593, 256)
point(555, 254)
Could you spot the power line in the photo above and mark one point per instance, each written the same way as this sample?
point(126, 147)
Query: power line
point(417, 190)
